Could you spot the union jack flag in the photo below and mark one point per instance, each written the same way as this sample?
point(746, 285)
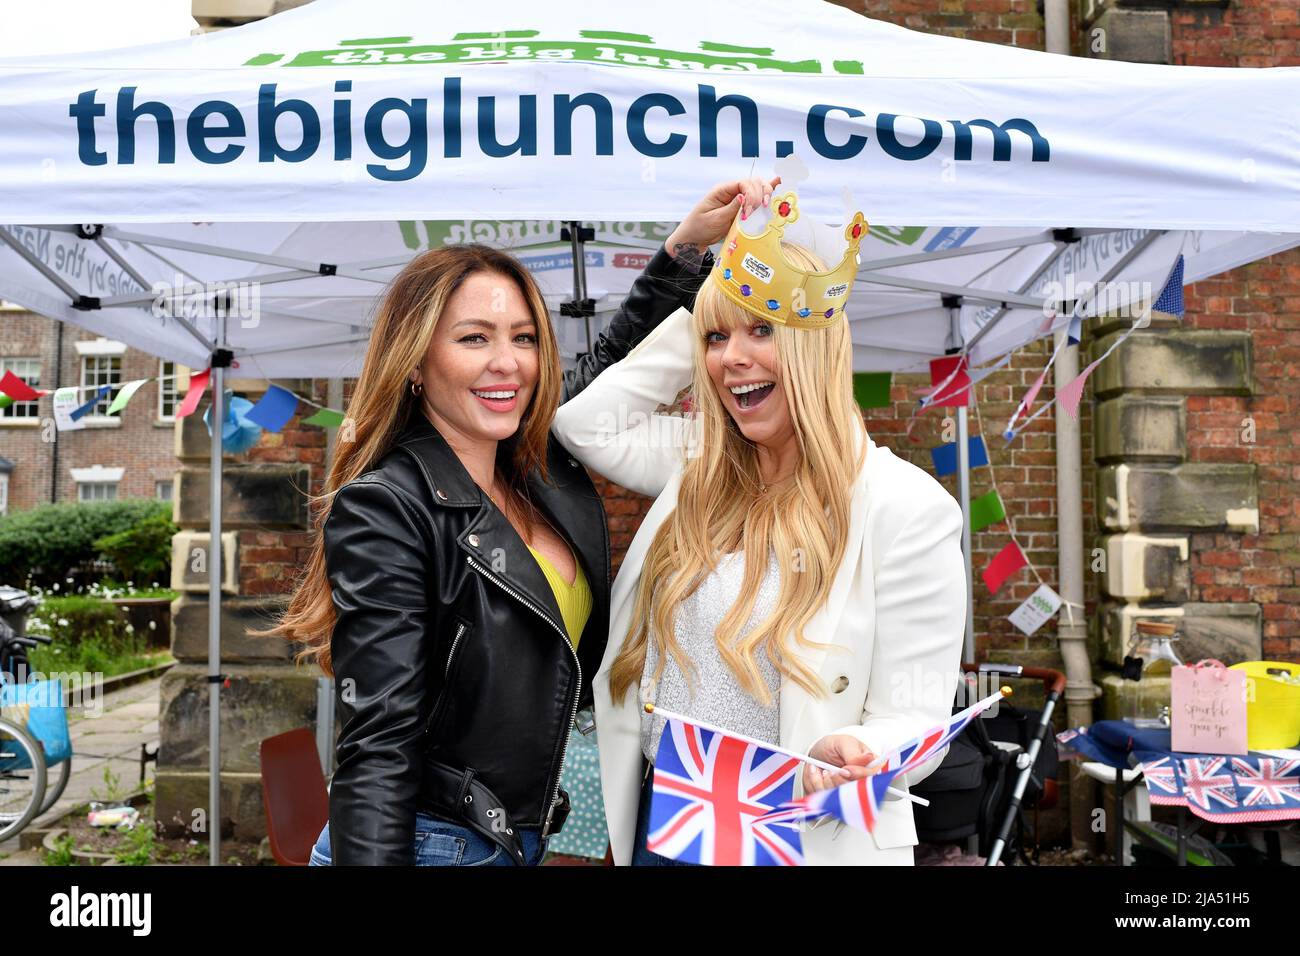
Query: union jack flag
point(711, 793)
point(858, 802)
point(1273, 783)
point(1161, 775)
point(920, 749)
point(1207, 779)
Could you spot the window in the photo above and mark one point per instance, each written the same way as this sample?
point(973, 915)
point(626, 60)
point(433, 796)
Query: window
point(97, 491)
point(96, 371)
point(167, 397)
point(97, 483)
point(162, 490)
point(29, 370)
point(4, 495)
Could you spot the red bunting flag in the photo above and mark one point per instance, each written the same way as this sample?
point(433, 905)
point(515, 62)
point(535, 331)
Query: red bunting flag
point(950, 381)
point(198, 385)
point(1008, 561)
point(17, 389)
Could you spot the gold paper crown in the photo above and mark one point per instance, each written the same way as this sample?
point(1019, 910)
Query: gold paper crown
point(754, 273)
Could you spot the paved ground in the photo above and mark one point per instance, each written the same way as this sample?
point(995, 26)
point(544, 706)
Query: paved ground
point(109, 742)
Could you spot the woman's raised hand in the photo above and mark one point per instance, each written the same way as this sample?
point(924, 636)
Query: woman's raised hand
point(712, 216)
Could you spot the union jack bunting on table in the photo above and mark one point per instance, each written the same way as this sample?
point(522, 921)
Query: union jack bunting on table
point(1257, 788)
point(711, 793)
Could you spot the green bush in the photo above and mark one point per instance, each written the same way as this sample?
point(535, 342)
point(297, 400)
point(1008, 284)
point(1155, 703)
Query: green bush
point(143, 552)
point(41, 546)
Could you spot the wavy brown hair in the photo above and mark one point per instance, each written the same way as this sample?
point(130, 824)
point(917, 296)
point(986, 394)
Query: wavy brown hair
point(382, 404)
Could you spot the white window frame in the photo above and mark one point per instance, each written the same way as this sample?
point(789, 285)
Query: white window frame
point(158, 485)
point(4, 493)
point(95, 417)
point(8, 363)
point(95, 476)
point(166, 386)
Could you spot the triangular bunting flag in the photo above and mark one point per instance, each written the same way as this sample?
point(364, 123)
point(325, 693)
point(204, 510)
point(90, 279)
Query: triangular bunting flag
point(1170, 300)
point(198, 385)
point(326, 418)
point(124, 396)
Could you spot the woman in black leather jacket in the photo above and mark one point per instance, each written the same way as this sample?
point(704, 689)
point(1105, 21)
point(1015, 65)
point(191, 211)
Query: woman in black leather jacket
point(456, 681)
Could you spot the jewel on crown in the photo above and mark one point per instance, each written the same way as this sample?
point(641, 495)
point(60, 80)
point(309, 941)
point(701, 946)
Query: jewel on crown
point(755, 274)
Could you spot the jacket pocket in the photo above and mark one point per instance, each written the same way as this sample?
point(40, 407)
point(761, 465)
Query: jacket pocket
point(453, 655)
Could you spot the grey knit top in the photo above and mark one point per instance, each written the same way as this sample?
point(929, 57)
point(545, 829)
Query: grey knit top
point(718, 699)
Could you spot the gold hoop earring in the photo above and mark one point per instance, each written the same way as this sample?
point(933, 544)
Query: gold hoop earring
point(417, 389)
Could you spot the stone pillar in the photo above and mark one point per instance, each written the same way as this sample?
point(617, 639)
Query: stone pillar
point(1151, 499)
point(264, 538)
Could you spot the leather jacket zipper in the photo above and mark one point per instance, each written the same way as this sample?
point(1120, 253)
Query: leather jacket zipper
point(568, 727)
point(460, 632)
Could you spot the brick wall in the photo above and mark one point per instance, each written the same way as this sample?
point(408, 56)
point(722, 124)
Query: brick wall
point(141, 444)
point(1262, 298)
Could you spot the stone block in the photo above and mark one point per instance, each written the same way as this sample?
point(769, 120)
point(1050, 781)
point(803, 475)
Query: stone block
point(1134, 426)
point(190, 629)
point(260, 702)
point(253, 496)
point(185, 561)
point(1141, 567)
point(1212, 497)
point(1175, 363)
point(1118, 695)
point(1136, 36)
point(181, 805)
point(1231, 633)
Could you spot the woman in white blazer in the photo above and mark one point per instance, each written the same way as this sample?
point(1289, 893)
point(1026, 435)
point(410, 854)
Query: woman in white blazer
point(867, 545)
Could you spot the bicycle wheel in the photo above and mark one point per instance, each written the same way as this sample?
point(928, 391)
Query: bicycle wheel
point(56, 778)
point(22, 779)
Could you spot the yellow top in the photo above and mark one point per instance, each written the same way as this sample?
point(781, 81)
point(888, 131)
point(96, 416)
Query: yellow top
point(574, 599)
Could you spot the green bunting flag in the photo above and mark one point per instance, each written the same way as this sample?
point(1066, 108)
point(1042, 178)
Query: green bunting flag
point(124, 395)
point(986, 510)
point(326, 418)
point(871, 389)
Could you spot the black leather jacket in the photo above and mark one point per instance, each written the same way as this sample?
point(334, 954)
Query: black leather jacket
point(449, 648)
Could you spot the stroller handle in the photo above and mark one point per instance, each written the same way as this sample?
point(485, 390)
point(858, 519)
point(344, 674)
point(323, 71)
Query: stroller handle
point(1053, 680)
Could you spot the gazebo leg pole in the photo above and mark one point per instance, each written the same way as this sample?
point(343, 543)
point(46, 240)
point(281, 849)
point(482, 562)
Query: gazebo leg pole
point(220, 358)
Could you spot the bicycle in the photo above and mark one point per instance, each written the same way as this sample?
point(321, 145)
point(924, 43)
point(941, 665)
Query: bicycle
point(27, 786)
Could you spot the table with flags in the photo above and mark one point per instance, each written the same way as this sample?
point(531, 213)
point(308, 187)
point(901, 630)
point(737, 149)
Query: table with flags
point(1256, 787)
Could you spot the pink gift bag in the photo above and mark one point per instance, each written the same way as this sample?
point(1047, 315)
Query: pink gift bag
point(1208, 712)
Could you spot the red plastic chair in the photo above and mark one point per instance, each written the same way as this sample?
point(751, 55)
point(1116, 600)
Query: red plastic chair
point(293, 795)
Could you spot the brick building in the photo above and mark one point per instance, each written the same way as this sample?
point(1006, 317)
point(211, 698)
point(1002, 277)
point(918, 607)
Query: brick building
point(126, 455)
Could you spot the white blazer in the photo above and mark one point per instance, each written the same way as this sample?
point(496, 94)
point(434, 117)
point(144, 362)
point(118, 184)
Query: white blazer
point(896, 611)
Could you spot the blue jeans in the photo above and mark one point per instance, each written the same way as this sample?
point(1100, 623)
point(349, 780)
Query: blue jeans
point(640, 855)
point(439, 843)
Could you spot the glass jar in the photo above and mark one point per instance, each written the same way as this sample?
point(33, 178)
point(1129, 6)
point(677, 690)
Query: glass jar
point(1149, 662)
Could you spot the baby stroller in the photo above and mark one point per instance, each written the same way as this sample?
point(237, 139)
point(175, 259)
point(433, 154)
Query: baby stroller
point(993, 770)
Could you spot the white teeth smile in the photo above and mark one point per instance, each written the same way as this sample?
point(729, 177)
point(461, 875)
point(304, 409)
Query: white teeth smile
point(742, 389)
point(493, 394)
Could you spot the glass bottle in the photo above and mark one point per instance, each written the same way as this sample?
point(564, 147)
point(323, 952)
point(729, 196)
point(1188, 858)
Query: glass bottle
point(1150, 656)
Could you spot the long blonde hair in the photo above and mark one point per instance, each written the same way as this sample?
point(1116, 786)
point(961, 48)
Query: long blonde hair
point(382, 405)
point(719, 507)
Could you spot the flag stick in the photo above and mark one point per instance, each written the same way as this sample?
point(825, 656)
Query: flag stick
point(665, 712)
